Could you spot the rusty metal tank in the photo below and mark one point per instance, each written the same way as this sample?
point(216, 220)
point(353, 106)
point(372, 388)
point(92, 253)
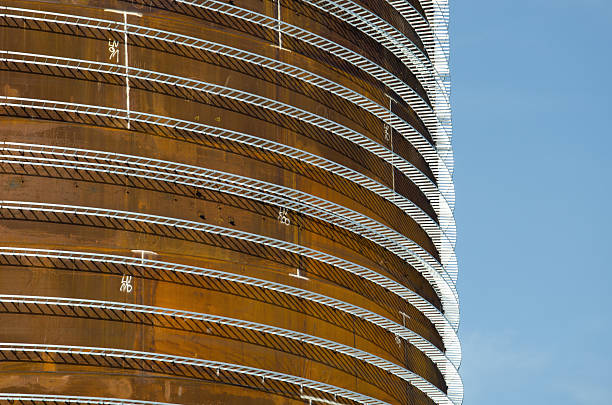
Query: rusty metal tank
point(226, 202)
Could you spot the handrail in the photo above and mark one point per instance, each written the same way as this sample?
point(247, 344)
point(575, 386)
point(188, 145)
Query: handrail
point(434, 393)
point(381, 112)
point(245, 187)
point(298, 382)
point(444, 204)
point(425, 148)
point(75, 399)
point(447, 368)
point(427, 223)
point(411, 172)
point(388, 36)
point(365, 273)
point(435, 37)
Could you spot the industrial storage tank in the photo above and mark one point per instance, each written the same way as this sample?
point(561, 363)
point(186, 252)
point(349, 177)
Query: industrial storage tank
point(227, 202)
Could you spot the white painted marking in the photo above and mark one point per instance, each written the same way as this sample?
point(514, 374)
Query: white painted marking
point(283, 216)
point(404, 317)
point(297, 274)
point(126, 285)
point(391, 100)
point(322, 400)
point(112, 10)
point(127, 78)
point(278, 16)
point(126, 58)
point(143, 253)
point(113, 49)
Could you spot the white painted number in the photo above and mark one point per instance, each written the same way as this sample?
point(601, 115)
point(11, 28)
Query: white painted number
point(126, 284)
point(283, 218)
point(113, 49)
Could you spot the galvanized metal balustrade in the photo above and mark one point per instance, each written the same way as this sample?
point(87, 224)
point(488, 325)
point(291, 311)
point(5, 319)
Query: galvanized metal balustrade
point(430, 66)
point(444, 204)
point(443, 363)
point(241, 186)
point(85, 351)
point(426, 222)
point(428, 309)
point(434, 393)
point(74, 399)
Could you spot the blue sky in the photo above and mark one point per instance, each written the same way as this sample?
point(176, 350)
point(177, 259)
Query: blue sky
point(532, 104)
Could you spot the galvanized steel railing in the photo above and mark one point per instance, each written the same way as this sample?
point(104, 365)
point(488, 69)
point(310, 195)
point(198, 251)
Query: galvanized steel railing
point(428, 309)
point(446, 367)
point(434, 393)
point(245, 187)
point(432, 69)
point(444, 203)
point(426, 222)
point(75, 399)
point(298, 382)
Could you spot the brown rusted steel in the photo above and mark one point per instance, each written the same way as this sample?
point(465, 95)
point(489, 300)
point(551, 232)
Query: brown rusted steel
point(304, 277)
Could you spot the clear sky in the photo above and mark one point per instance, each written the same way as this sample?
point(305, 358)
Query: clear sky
point(532, 104)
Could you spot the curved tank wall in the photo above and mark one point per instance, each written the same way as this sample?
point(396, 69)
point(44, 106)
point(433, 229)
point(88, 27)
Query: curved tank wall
point(211, 202)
